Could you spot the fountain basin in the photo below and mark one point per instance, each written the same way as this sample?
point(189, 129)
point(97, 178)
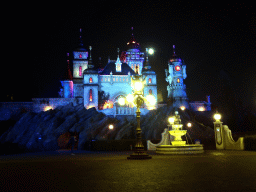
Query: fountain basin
point(178, 143)
point(183, 149)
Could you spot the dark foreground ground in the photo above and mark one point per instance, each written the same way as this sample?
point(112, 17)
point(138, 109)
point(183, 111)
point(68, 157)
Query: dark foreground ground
point(111, 171)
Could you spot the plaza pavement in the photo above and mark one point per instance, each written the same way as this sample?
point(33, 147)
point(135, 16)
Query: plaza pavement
point(111, 171)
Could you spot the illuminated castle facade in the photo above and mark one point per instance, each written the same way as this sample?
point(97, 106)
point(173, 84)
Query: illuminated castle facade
point(102, 88)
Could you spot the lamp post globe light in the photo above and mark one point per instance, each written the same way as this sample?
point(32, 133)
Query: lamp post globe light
point(111, 126)
point(217, 117)
point(150, 51)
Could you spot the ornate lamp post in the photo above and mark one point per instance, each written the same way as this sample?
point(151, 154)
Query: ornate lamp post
point(137, 84)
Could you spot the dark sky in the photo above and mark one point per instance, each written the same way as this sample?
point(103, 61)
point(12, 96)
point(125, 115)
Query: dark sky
point(216, 41)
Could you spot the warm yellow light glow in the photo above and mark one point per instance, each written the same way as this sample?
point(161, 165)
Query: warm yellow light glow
point(151, 51)
point(108, 105)
point(151, 99)
point(90, 106)
point(189, 124)
point(201, 109)
point(47, 108)
point(182, 108)
point(130, 98)
point(121, 101)
point(111, 126)
point(171, 120)
point(138, 86)
point(217, 116)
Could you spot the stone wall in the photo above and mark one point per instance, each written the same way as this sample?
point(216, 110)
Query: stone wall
point(43, 104)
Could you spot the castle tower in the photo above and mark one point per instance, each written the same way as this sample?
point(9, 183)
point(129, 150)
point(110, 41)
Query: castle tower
point(150, 86)
point(134, 58)
point(175, 75)
point(91, 84)
point(80, 63)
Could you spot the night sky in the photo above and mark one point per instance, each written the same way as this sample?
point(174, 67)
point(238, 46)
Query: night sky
point(216, 41)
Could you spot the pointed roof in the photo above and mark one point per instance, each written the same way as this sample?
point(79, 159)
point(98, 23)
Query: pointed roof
point(91, 69)
point(174, 56)
point(111, 67)
point(132, 44)
point(81, 44)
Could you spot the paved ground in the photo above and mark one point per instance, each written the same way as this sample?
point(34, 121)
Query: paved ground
point(111, 171)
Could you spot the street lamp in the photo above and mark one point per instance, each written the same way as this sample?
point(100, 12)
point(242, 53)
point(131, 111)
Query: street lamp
point(189, 124)
point(171, 120)
point(121, 101)
point(138, 84)
point(218, 129)
point(111, 126)
point(217, 117)
point(151, 51)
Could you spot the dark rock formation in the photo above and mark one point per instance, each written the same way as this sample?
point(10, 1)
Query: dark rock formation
point(50, 130)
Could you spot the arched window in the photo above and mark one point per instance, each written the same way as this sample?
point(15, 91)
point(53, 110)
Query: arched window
point(150, 91)
point(178, 80)
point(90, 80)
point(90, 95)
point(149, 80)
point(80, 70)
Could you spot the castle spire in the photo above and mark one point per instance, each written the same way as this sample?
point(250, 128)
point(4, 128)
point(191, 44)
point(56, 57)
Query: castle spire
point(118, 52)
point(174, 54)
point(118, 62)
point(132, 44)
point(90, 64)
point(80, 38)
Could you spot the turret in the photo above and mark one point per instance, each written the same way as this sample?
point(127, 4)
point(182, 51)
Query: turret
point(91, 84)
point(80, 61)
point(133, 57)
point(175, 75)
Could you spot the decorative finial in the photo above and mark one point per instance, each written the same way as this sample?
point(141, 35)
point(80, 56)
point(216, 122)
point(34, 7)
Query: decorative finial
point(132, 30)
point(173, 49)
point(90, 48)
point(80, 38)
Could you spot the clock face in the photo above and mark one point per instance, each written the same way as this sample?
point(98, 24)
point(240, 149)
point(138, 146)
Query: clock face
point(177, 68)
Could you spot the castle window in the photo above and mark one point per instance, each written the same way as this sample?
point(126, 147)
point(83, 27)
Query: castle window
point(90, 95)
point(118, 67)
point(80, 70)
point(80, 56)
point(178, 80)
point(150, 91)
point(90, 80)
point(149, 80)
